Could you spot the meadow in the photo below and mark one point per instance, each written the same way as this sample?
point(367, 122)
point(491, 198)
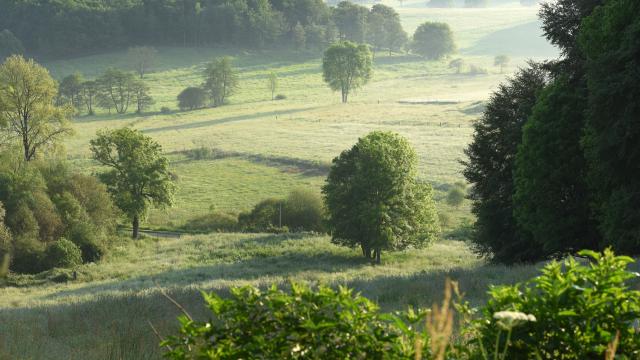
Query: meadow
point(266, 149)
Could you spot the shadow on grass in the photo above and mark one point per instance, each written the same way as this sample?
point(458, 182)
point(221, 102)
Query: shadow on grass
point(230, 119)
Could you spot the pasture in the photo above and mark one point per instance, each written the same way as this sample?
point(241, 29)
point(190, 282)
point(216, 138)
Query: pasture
point(264, 149)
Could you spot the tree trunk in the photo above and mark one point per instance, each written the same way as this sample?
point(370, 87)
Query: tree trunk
point(345, 96)
point(378, 256)
point(366, 251)
point(135, 226)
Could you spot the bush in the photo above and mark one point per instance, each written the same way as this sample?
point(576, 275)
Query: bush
point(63, 254)
point(303, 210)
point(83, 235)
point(456, 196)
point(464, 231)
point(200, 153)
point(165, 110)
point(214, 221)
point(281, 97)
point(301, 324)
point(192, 98)
point(433, 40)
point(265, 215)
point(28, 254)
point(578, 309)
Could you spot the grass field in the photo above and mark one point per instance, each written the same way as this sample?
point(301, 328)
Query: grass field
point(107, 308)
point(271, 147)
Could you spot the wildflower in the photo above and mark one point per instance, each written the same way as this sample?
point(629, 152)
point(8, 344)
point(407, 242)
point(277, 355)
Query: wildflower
point(510, 319)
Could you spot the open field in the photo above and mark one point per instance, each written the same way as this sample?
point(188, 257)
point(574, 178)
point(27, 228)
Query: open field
point(311, 125)
point(114, 299)
point(269, 147)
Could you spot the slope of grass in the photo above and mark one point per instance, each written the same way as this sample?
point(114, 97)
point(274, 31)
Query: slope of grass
point(104, 314)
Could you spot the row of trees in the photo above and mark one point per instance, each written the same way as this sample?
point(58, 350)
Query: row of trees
point(554, 160)
point(114, 89)
point(79, 27)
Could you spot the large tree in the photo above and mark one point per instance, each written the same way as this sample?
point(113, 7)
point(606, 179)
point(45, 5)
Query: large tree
point(346, 67)
point(551, 200)
point(611, 42)
point(374, 200)
point(28, 113)
point(385, 29)
point(490, 167)
point(221, 80)
point(119, 87)
point(351, 20)
point(433, 40)
point(139, 174)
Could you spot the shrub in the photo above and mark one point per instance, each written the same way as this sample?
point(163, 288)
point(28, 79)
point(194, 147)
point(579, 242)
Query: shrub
point(165, 110)
point(301, 324)
point(200, 153)
point(63, 254)
point(192, 98)
point(28, 254)
point(303, 210)
point(83, 235)
point(456, 196)
point(464, 231)
point(281, 97)
point(265, 215)
point(213, 221)
point(578, 309)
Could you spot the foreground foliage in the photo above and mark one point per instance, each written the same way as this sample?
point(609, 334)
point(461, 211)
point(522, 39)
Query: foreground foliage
point(571, 311)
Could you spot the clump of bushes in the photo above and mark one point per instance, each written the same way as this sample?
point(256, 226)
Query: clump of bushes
point(49, 207)
point(214, 221)
point(301, 210)
point(300, 324)
point(281, 97)
point(571, 311)
point(192, 98)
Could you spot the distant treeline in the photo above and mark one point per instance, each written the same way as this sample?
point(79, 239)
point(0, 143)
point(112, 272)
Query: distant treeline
point(57, 28)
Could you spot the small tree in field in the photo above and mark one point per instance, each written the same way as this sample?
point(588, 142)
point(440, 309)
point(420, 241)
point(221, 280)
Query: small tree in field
point(139, 173)
point(346, 67)
point(142, 58)
point(502, 61)
point(433, 40)
point(141, 96)
point(273, 84)
point(455, 196)
point(119, 88)
point(374, 200)
point(192, 98)
point(90, 92)
point(71, 89)
point(221, 80)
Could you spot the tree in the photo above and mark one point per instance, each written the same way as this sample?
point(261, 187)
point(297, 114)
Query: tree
point(221, 80)
point(71, 89)
point(273, 84)
point(346, 67)
point(433, 40)
point(141, 96)
point(456, 196)
point(384, 30)
point(139, 174)
point(351, 21)
point(6, 244)
point(119, 87)
point(9, 45)
point(374, 200)
point(457, 64)
point(27, 110)
point(609, 40)
point(192, 98)
point(502, 61)
point(90, 91)
point(490, 168)
point(551, 199)
point(142, 58)
point(299, 36)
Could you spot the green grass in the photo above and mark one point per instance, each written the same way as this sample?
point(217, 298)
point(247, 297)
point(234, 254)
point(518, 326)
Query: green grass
point(104, 313)
point(274, 146)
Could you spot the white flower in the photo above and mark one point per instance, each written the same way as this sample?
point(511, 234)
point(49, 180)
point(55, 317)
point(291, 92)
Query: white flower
point(510, 319)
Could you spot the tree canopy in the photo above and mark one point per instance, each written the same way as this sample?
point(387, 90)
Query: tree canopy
point(433, 40)
point(374, 200)
point(221, 80)
point(28, 113)
point(346, 67)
